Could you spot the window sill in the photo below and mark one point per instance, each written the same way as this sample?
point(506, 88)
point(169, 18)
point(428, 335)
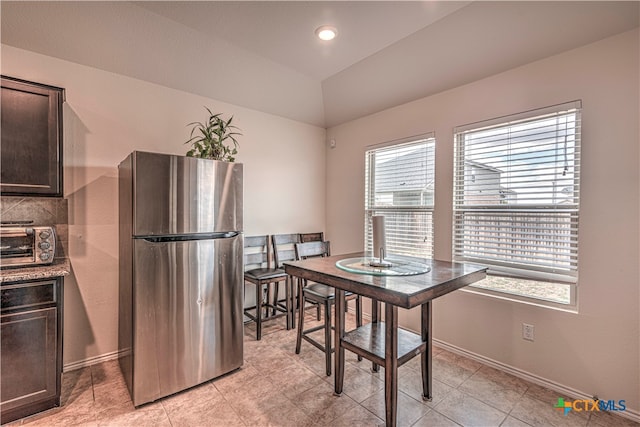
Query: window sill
point(499, 292)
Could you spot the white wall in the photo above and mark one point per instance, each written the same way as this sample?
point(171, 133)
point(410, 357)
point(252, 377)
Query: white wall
point(106, 116)
point(595, 351)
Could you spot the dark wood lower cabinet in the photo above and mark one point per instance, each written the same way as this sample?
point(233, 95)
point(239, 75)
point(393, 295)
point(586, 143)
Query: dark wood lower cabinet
point(31, 346)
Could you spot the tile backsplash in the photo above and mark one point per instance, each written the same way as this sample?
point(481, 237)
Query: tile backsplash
point(42, 211)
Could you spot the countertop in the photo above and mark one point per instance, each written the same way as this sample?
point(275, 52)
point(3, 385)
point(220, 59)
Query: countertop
point(59, 267)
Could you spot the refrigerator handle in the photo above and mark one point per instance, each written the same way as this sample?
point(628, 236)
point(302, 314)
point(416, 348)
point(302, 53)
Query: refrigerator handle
point(189, 237)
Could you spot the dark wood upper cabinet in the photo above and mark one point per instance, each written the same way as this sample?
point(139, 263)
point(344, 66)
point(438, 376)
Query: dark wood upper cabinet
point(31, 147)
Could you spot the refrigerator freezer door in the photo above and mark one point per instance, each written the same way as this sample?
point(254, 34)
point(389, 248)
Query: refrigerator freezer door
point(184, 195)
point(187, 326)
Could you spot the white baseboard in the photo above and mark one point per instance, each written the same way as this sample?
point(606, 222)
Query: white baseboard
point(93, 360)
point(516, 372)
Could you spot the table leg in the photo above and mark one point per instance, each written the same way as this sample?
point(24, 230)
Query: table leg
point(425, 357)
point(300, 283)
point(339, 350)
point(375, 312)
point(391, 364)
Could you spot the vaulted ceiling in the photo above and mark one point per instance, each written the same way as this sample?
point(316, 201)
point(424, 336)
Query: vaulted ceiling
point(264, 54)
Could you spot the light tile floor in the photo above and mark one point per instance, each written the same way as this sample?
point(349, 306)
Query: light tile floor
point(276, 387)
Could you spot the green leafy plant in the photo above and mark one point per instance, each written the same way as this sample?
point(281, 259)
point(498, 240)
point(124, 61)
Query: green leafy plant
point(212, 139)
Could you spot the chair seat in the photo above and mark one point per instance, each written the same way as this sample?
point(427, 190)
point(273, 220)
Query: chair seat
point(322, 291)
point(265, 273)
point(319, 290)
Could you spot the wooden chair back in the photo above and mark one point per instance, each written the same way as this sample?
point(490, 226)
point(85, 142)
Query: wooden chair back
point(312, 249)
point(256, 252)
point(283, 247)
point(312, 237)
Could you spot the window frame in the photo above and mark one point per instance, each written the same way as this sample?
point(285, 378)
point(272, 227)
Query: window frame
point(553, 210)
point(370, 207)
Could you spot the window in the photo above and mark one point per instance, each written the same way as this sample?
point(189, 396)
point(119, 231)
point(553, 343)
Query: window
point(400, 186)
point(516, 201)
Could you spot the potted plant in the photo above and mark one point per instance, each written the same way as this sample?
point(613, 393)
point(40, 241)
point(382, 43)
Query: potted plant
point(212, 139)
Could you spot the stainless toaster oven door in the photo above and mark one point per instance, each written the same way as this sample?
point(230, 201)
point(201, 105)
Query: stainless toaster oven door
point(17, 246)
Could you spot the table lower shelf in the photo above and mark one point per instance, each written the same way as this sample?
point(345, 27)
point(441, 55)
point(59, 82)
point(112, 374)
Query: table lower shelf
point(368, 341)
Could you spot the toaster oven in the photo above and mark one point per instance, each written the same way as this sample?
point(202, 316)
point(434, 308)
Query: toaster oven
point(27, 246)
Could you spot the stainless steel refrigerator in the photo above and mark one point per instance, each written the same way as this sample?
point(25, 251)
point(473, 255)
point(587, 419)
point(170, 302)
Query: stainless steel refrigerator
point(181, 279)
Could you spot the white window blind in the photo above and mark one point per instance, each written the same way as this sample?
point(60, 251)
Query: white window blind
point(516, 193)
point(400, 186)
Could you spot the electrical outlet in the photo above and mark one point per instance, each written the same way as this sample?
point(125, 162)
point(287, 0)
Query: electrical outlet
point(528, 332)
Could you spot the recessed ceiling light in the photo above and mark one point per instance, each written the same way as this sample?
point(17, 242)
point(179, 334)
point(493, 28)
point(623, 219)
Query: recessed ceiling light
point(326, 32)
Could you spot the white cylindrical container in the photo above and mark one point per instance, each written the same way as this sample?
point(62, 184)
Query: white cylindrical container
point(379, 242)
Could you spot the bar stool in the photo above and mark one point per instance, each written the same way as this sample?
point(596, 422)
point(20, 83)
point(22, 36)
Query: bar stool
point(257, 251)
point(320, 294)
point(283, 250)
point(318, 236)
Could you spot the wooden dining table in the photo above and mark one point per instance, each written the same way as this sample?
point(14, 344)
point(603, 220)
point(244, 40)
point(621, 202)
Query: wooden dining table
point(383, 342)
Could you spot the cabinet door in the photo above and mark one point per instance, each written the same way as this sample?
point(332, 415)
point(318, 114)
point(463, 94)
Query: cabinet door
point(31, 127)
point(28, 360)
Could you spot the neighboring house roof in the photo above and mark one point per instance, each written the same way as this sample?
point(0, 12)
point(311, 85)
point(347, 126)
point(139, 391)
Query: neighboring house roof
point(504, 190)
point(482, 166)
point(417, 177)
